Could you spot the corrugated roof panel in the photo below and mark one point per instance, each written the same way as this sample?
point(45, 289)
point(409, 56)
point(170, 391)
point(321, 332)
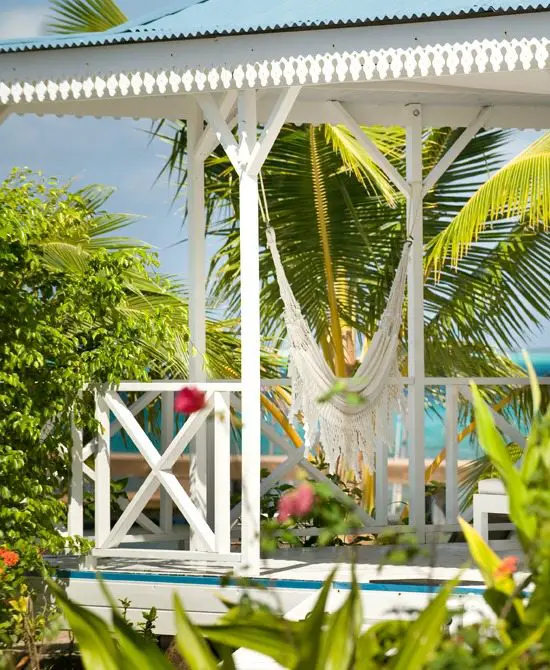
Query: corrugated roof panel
point(204, 18)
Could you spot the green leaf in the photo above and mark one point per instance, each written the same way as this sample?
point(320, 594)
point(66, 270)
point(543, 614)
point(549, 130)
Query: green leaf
point(518, 189)
point(84, 16)
point(535, 388)
point(265, 633)
point(488, 563)
point(340, 636)
point(425, 633)
point(377, 640)
point(311, 638)
point(136, 651)
point(191, 643)
point(514, 653)
point(495, 448)
point(485, 558)
point(95, 641)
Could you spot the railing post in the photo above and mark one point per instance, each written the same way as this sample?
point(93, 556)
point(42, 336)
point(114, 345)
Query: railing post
point(75, 513)
point(381, 483)
point(102, 471)
point(222, 473)
point(167, 434)
point(415, 334)
point(451, 451)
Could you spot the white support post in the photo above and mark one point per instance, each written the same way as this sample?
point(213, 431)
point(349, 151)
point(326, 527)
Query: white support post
point(75, 514)
point(222, 473)
point(415, 282)
point(381, 477)
point(250, 335)
point(102, 472)
point(166, 511)
point(451, 454)
point(196, 220)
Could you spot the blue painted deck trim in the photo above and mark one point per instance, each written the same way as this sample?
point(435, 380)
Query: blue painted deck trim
point(298, 584)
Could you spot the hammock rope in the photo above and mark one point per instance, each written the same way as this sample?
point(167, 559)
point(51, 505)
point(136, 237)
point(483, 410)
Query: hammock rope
point(347, 432)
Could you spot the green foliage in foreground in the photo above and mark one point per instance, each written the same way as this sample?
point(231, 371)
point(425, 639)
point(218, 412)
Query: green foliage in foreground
point(517, 636)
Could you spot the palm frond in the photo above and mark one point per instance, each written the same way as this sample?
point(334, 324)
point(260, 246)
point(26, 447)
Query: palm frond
point(520, 190)
point(84, 16)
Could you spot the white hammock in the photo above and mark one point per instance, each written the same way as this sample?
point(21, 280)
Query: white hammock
point(344, 430)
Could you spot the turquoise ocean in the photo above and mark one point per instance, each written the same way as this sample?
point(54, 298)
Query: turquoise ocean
point(434, 422)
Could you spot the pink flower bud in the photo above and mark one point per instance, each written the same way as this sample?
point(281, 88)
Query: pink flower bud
point(297, 503)
point(189, 400)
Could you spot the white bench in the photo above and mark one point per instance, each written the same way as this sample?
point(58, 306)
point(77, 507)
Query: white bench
point(491, 498)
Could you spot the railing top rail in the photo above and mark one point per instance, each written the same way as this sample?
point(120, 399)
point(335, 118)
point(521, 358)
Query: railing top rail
point(235, 385)
point(482, 381)
point(178, 384)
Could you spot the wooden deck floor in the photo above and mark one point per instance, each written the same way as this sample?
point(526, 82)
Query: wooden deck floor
point(294, 578)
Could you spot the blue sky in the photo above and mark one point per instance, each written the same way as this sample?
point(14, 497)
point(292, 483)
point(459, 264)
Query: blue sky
point(112, 152)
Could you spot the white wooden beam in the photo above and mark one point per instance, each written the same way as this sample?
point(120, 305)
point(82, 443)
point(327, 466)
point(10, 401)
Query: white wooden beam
point(196, 261)
point(208, 140)
point(221, 130)
point(452, 154)
point(381, 483)
point(451, 454)
point(75, 513)
point(142, 520)
point(250, 336)
point(131, 513)
point(415, 325)
point(136, 433)
point(184, 503)
point(271, 129)
point(341, 116)
point(135, 408)
point(102, 492)
point(222, 473)
point(166, 511)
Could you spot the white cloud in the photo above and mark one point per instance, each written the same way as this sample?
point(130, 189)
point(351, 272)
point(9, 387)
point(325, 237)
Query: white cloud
point(28, 22)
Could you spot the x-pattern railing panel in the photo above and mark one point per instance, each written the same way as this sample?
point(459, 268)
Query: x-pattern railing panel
point(88, 450)
point(160, 475)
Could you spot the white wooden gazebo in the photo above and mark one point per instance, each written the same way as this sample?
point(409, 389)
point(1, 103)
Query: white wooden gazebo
point(236, 71)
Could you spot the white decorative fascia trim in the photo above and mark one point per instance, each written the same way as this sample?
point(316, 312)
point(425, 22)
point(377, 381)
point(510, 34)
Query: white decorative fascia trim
point(382, 64)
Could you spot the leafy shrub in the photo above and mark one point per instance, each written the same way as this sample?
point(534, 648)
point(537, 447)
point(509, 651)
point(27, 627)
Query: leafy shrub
point(67, 318)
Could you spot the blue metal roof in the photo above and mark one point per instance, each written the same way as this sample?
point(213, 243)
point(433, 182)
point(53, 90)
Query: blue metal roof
point(210, 18)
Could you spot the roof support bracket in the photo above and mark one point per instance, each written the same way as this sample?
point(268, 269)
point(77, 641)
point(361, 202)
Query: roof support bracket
point(221, 130)
point(271, 129)
point(342, 116)
point(452, 154)
point(208, 140)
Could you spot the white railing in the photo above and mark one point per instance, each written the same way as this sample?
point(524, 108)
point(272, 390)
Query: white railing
point(109, 538)
point(215, 530)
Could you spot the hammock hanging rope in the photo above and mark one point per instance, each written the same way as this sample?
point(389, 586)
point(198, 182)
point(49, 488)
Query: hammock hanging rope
point(347, 432)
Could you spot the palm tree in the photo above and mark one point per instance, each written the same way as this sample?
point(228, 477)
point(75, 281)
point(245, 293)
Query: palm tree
point(336, 215)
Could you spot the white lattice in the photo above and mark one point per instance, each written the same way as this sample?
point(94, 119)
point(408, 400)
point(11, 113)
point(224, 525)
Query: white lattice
point(367, 65)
